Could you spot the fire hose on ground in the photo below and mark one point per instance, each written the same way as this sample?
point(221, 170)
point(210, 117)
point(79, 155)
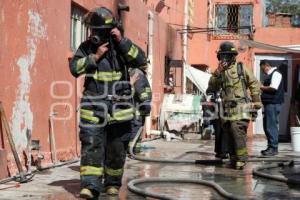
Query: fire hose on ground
point(257, 171)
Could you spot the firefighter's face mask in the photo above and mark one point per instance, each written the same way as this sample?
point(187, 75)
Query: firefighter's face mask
point(100, 36)
point(226, 59)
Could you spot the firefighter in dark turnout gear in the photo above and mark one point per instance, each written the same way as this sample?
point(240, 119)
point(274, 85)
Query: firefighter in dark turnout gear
point(142, 101)
point(106, 108)
point(233, 80)
point(220, 138)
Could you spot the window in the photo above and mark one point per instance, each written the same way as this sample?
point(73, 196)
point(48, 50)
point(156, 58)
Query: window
point(233, 19)
point(79, 30)
point(173, 69)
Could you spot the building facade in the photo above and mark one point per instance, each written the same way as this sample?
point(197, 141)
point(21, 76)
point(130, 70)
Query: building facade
point(39, 94)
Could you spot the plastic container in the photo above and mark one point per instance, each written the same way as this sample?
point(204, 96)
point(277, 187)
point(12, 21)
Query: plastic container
point(295, 135)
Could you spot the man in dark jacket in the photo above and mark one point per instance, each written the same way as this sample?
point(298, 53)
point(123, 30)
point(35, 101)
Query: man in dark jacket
point(272, 97)
point(142, 100)
point(106, 109)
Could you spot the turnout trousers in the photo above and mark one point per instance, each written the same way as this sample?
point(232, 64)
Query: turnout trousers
point(103, 154)
point(236, 132)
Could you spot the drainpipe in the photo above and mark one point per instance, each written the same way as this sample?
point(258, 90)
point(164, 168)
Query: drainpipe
point(184, 45)
point(150, 65)
point(52, 138)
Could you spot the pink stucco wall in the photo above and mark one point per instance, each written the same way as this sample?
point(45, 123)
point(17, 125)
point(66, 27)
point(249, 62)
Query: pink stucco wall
point(208, 46)
point(35, 81)
point(203, 47)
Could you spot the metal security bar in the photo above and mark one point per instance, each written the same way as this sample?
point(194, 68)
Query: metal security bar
point(233, 19)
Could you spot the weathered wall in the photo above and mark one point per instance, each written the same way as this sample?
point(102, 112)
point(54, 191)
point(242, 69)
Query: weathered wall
point(33, 51)
point(202, 48)
point(166, 42)
point(171, 11)
point(201, 42)
point(36, 82)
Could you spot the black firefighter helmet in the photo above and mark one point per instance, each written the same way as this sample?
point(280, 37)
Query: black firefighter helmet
point(227, 48)
point(100, 18)
point(100, 21)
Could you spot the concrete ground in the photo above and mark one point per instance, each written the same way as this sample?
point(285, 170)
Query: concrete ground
point(63, 182)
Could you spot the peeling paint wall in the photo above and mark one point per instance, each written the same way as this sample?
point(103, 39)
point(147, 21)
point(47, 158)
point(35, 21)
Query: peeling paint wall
point(35, 78)
point(22, 116)
point(35, 42)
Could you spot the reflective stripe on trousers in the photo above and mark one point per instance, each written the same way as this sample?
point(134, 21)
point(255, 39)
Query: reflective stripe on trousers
point(91, 170)
point(114, 172)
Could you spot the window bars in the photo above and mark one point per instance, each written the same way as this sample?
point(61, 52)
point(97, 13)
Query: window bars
point(233, 19)
point(79, 31)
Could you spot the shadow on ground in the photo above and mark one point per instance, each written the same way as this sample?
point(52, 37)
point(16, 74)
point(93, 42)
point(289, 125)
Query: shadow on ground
point(71, 186)
point(75, 168)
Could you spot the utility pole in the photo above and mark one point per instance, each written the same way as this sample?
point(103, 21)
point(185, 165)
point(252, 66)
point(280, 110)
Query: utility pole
point(150, 64)
point(184, 45)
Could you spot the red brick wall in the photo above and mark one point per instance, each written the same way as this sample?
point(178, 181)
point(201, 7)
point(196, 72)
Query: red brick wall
point(279, 20)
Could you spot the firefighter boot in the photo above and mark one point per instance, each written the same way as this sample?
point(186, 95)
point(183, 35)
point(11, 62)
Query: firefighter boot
point(112, 190)
point(239, 165)
point(86, 193)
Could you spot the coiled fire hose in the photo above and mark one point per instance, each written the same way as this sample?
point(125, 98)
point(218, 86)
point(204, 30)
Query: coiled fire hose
point(258, 172)
point(142, 192)
point(133, 188)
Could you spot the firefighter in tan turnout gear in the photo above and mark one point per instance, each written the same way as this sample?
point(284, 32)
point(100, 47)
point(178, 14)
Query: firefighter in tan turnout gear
point(234, 80)
point(106, 107)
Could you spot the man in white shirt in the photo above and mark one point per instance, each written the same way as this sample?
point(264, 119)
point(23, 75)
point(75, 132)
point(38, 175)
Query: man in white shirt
point(272, 97)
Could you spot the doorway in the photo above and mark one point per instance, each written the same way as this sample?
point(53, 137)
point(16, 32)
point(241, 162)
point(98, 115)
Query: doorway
point(284, 65)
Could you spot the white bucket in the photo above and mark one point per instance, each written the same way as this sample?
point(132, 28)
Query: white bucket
point(295, 133)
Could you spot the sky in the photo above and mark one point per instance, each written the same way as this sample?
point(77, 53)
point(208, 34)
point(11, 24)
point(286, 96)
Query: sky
point(284, 1)
point(287, 1)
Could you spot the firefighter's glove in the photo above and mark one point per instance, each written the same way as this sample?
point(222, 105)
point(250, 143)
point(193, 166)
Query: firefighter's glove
point(256, 102)
point(116, 34)
point(102, 49)
point(256, 105)
point(254, 116)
